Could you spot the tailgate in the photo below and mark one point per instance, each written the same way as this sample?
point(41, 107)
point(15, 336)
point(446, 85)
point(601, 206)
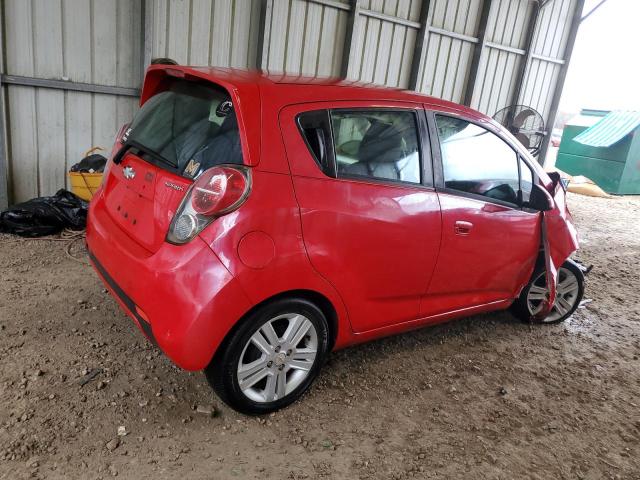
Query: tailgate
point(142, 199)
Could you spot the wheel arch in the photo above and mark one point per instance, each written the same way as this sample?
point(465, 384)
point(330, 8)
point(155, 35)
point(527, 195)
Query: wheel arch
point(317, 298)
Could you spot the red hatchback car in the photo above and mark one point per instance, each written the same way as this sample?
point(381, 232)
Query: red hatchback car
point(250, 224)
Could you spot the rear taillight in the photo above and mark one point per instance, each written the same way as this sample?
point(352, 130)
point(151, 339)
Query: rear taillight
point(216, 192)
point(218, 189)
point(121, 137)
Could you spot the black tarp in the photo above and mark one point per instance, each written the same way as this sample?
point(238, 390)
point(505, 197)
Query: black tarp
point(45, 215)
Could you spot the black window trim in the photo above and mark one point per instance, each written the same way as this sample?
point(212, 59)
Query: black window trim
point(331, 164)
point(534, 177)
point(439, 168)
point(424, 146)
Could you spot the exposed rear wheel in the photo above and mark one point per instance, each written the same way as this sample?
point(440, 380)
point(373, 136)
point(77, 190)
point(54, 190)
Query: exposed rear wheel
point(272, 359)
point(569, 294)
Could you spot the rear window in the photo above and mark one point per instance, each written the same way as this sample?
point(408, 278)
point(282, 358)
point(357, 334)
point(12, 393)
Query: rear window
point(379, 144)
point(189, 127)
point(368, 143)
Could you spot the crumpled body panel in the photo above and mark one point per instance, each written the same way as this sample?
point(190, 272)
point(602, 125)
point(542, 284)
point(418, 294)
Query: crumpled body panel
point(559, 241)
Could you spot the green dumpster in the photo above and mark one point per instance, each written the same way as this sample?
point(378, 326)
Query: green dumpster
point(605, 147)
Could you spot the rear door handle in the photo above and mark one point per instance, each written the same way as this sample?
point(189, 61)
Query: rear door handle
point(462, 228)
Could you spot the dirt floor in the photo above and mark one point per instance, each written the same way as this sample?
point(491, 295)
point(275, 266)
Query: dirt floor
point(483, 397)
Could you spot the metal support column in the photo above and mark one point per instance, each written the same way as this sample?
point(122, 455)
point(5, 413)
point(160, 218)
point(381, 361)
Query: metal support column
point(557, 92)
point(479, 51)
point(528, 52)
point(4, 160)
point(265, 12)
point(421, 46)
point(351, 35)
point(146, 41)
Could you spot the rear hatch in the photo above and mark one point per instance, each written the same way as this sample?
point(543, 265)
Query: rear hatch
point(182, 130)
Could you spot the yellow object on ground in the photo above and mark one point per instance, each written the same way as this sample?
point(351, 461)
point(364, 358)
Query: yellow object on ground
point(586, 186)
point(582, 185)
point(85, 185)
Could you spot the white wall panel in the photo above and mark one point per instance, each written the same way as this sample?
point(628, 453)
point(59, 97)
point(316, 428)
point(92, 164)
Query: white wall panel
point(304, 38)
point(385, 48)
point(205, 32)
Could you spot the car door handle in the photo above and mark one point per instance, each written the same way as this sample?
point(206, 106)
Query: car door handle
point(462, 228)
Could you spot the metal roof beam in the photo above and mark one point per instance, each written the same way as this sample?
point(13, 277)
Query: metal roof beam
point(332, 4)
point(592, 11)
point(69, 85)
point(478, 51)
point(390, 18)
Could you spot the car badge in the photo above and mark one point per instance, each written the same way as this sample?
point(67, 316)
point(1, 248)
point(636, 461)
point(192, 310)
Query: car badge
point(192, 168)
point(177, 188)
point(128, 173)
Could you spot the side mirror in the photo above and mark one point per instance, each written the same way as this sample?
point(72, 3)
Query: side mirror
point(540, 199)
point(555, 181)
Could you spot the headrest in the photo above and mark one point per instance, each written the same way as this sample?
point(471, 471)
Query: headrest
point(382, 143)
point(229, 123)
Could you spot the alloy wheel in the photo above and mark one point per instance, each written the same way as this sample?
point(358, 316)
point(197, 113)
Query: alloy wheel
point(277, 358)
point(567, 294)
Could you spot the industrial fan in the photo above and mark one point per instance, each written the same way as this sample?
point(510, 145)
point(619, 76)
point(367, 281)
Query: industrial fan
point(525, 123)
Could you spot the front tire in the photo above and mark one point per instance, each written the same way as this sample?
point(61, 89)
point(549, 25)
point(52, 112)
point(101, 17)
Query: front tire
point(272, 358)
point(570, 291)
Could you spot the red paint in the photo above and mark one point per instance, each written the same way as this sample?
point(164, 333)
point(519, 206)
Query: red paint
point(387, 257)
point(490, 263)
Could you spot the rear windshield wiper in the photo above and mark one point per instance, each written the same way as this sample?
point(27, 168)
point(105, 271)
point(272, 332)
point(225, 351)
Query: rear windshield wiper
point(139, 148)
point(117, 158)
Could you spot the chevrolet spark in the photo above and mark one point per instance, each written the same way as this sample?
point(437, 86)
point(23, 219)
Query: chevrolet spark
point(250, 224)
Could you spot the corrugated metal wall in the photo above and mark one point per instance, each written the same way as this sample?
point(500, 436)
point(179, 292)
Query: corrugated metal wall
point(101, 42)
point(79, 40)
point(506, 32)
point(383, 48)
point(549, 44)
point(205, 32)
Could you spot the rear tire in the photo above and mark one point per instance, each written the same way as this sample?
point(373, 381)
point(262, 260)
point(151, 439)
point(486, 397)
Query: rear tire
point(568, 297)
point(272, 358)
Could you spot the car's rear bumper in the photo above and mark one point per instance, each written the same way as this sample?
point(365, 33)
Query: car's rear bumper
point(181, 297)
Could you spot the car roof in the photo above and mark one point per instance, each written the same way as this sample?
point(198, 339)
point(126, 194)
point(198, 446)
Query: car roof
point(291, 89)
point(246, 88)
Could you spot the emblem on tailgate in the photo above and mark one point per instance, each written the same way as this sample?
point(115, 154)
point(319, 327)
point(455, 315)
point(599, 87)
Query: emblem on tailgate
point(128, 173)
point(192, 168)
point(174, 186)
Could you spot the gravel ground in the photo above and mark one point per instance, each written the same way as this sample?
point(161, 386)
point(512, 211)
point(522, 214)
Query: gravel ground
point(482, 397)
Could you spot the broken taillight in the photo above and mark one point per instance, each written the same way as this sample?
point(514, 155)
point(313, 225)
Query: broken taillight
point(217, 191)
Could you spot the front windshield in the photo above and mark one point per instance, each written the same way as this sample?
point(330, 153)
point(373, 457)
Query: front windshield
point(190, 126)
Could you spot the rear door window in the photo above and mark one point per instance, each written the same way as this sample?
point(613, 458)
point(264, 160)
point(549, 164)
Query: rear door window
point(476, 161)
point(188, 128)
point(316, 130)
point(377, 143)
